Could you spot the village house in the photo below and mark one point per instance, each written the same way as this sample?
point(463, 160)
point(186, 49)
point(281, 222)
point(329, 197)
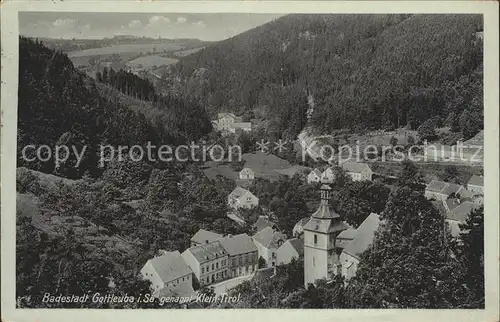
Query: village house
point(267, 241)
point(243, 255)
point(203, 236)
point(292, 248)
point(247, 174)
point(228, 122)
point(321, 253)
point(458, 214)
point(357, 171)
point(169, 274)
point(345, 237)
point(363, 238)
point(328, 176)
point(242, 198)
point(441, 190)
point(476, 185)
point(314, 176)
point(209, 262)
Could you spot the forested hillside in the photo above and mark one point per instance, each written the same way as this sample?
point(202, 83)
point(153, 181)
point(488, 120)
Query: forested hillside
point(361, 71)
point(58, 105)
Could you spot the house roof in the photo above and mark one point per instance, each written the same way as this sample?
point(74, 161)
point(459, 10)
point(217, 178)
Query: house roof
point(262, 223)
point(364, 236)
point(452, 188)
point(239, 244)
point(350, 166)
point(435, 186)
point(316, 171)
point(452, 203)
point(297, 244)
point(324, 212)
point(170, 266)
point(238, 192)
point(246, 170)
point(221, 115)
point(204, 236)
point(301, 222)
point(181, 290)
point(349, 233)
point(207, 252)
point(476, 181)
point(268, 238)
point(461, 212)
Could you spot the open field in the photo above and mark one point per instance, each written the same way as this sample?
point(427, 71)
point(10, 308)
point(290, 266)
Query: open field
point(128, 48)
point(150, 61)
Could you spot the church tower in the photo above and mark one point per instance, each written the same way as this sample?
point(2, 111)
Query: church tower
point(321, 256)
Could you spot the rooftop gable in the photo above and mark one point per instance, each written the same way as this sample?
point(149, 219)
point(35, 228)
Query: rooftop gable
point(204, 236)
point(170, 266)
point(364, 236)
point(239, 244)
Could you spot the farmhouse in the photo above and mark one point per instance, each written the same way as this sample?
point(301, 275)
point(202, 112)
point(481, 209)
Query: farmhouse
point(314, 176)
point(209, 262)
point(169, 274)
point(441, 190)
point(204, 237)
point(243, 255)
point(476, 185)
point(247, 174)
point(242, 198)
point(267, 241)
point(292, 248)
point(363, 238)
point(357, 171)
point(228, 122)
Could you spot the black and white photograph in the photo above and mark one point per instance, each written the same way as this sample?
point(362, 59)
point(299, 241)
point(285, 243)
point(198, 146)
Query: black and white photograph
point(248, 160)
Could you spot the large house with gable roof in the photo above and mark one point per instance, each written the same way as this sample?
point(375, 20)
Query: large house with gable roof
point(441, 190)
point(267, 241)
point(209, 262)
point(203, 236)
point(169, 274)
point(357, 171)
point(242, 198)
point(243, 255)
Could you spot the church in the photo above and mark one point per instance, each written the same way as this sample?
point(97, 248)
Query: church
point(321, 252)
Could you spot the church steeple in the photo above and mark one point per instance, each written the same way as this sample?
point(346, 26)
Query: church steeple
point(324, 211)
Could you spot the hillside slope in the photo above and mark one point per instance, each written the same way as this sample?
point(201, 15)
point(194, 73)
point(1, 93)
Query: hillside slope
point(58, 105)
point(362, 71)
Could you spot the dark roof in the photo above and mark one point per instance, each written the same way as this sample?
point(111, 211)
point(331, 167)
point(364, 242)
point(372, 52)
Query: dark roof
point(181, 290)
point(325, 226)
point(262, 223)
point(206, 252)
point(364, 236)
point(268, 238)
point(324, 211)
point(204, 236)
point(170, 266)
point(297, 244)
point(452, 203)
point(239, 244)
point(476, 181)
point(436, 186)
point(238, 192)
point(461, 212)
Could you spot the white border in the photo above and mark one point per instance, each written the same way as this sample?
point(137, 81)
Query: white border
point(9, 23)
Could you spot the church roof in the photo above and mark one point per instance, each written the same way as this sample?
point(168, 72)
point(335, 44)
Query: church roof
point(325, 226)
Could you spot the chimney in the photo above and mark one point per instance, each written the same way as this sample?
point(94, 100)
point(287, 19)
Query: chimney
point(230, 236)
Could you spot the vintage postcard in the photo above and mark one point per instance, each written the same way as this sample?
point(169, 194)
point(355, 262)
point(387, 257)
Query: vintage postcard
point(186, 161)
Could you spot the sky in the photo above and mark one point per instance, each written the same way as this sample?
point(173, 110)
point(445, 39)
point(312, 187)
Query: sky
point(204, 26)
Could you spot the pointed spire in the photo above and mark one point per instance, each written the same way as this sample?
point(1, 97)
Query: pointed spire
point(324, 211)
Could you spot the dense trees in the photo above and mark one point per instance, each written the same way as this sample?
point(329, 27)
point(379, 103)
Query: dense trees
point(361, 71)
point(59, 105)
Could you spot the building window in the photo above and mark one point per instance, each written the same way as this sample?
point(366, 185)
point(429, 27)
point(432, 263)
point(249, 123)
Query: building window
point(217, 265)
point(314, 262)
point(315, 239)
point(213, 266)
point(203, 270)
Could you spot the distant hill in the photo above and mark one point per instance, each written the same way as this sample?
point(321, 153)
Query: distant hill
point(59, 105)
point(350, 71)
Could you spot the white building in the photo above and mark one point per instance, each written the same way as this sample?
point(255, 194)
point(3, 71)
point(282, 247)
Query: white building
point(169, 274)
point(363, 238)
point(242, 198)
point(458, 214)
point(267, 241)
point(357, 171)
point(228, 122)
point(247, 174)
point(321, 254)
point(292, 248)
point(314, 176)
point(209, 262)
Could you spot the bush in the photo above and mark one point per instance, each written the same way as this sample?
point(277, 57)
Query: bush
point(27, 182)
